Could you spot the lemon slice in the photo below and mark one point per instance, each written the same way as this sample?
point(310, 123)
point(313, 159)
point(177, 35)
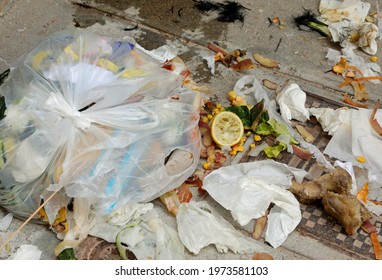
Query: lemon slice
point(227, 129)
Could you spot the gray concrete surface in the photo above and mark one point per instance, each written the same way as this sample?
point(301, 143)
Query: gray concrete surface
point(301, 55)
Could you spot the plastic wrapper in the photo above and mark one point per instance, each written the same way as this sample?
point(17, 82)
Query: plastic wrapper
point(97, 118)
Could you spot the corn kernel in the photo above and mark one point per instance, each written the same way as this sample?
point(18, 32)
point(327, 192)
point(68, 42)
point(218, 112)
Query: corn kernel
point(206, 165)
point(257, 138)
point(233, 153)
point(361, 159)
point(231, 95)
point(238, 98)
point(248, 134)
point(240, 149)
point(234, 148)
point(204, 119)
point(209, 117)
point(374, 58)
point(218, 106)
point(252, 145)
point(215, 111)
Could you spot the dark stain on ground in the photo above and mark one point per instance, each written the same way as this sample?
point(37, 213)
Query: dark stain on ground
point(84, 16)
point(172, 16)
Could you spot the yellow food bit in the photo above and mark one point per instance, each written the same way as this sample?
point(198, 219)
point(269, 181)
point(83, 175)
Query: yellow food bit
point(206, 165)
point(204, 119)
point(215, 111)
point(209, 117)
point(238, 98)
point(374, 58)
point(240, 148)
point(248, 134)
point(232, 95)
point(257, 138)
point(361, 159)
point(218, 106)
point(233, 153)
point(227, 129)
point(252, 145)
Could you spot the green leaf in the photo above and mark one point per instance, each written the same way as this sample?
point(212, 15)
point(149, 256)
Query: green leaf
point(121, 249)
point(243, 113)
point(274, 151)
point(264, 129)
point(280, 128)
point(67, 254)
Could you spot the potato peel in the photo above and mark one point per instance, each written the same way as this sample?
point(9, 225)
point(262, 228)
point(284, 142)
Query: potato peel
point(264, 61)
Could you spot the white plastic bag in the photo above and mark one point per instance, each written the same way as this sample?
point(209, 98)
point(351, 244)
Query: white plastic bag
point(96, 118)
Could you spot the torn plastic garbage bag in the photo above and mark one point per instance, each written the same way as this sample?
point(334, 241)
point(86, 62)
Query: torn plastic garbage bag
point(248, 189)
point(94, 117)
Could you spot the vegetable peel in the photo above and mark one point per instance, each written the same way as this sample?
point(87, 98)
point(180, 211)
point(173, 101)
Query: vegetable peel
point(373, 121)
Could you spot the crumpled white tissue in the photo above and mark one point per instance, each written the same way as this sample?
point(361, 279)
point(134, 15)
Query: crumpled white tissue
point(337, 10)
point(5, 222)
point(200, 225)
point(346, 21)
point(291, 101)
point(367, 68)
point(26, 252)
point(149, 237)
point(355, 137)
point(330, 119)
point(248, 189)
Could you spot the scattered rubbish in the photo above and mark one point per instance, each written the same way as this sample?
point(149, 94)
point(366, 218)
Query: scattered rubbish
point(260, 225)
point(347, 210)
point(94, 99)
point(26, 252)
point(232, 59)
point(67, 254)
point(142, 230)
point(278, 44)
point(308, 137)
point(291, 101)
point(346, 22)
point(228, 11)
point(374, 122)
point(227, 129)
point(269, 84)
point(334, 190)
point(248, 189)
point(264, 61)
point(200, 225)
point(6, 221)
point(262, 256)
point(309, 21)
point(376, 245)
point(329, 119)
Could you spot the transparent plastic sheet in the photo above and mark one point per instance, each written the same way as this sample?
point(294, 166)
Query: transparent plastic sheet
point(95, 118)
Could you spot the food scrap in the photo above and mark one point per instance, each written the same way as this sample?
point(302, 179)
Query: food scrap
point(234, 59)
point(264, 61)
